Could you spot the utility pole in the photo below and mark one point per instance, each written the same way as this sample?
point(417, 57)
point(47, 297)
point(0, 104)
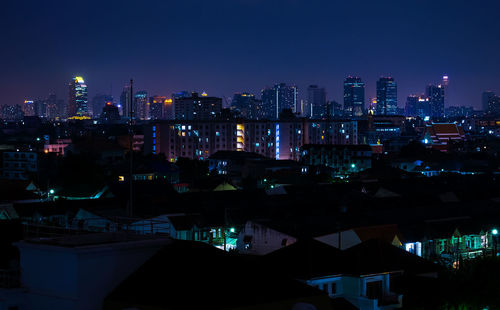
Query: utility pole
point(131, 150)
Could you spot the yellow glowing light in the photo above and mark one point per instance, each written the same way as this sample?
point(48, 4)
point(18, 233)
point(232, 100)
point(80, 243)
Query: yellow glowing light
point(121, 178)
point(168, 101)
point(79, 79)
point(80, 118)
point(204, 94)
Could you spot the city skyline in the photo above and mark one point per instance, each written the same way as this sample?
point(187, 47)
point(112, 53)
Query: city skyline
point(232, 58)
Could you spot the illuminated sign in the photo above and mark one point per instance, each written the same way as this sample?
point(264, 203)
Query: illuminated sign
point(79, 79)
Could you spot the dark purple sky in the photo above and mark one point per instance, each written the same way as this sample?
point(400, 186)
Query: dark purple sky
point(227, 46)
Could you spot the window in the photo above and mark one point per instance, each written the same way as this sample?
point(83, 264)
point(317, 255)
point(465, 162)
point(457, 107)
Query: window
point(333, 288)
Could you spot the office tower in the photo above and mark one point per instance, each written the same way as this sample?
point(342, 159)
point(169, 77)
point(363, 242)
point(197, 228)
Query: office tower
point(335, 109)
point(246, 105)
point(435, 93)
point(156, 107)
point(29, 108)
point(485, 100)
point(52, 107)
point(197, 107)
point(493, 106)
point(141, 105)
point(316, 98)
point(168, 109)
point(98, 102)
point(387, 96)
point(278, 98)
point(354, 96)
point(446, 82)
point(78, 102)
point(124, 104)
point(417, 105)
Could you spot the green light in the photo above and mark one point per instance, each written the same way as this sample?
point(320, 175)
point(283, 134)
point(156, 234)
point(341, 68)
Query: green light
point(494, 231)
point(353, 165)
point(232, 229)
point(37, 139)
point(51, 191)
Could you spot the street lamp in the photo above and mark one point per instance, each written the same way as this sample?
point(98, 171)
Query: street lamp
point(494, 233)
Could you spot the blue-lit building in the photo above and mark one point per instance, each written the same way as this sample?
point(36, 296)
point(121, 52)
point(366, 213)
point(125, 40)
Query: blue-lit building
point(78, 100)
point(279, 98)
point(354, 96)
point(387, 96)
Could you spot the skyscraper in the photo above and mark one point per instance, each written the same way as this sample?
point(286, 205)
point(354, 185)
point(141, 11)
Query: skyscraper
point(485, 100)
point(141, 105)
point(387, 96)
point(316, 98)
point(78, 101)
point(435, 93)
point(29, 108)
point(354, 96)
point(278, 98)
point(417, 105)
point(245, 105)
point(52, 107)
point(98, 102)
point(156, 107)
point(123, 106)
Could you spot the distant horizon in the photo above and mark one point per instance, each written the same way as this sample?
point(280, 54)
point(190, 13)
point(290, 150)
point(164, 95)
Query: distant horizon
point(232, 46)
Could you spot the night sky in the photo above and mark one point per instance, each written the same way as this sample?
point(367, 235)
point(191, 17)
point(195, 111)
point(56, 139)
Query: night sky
point(223, 47)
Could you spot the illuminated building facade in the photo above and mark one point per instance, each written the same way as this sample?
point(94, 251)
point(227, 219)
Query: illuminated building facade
point(197, 107)
point(316, 99)
point(279, 98)
point(141, 105)
point(282, 139)
point(354, 96)
point(387, 96)
point(78, 101)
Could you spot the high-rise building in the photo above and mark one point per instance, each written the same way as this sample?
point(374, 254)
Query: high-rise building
point(417, 105)
point(98, 102)
point(354, 96)
point(197, 107)
point(78, 101)
point(52, 107)
point(435, 93)
point(316, 98)
point(29, 108)
point(485, 100)
point(156, 106)
point(387, 96)
point(141, 105)
point(279, 98)
point(245, 105)
point(124, 104)
point(12, 112)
